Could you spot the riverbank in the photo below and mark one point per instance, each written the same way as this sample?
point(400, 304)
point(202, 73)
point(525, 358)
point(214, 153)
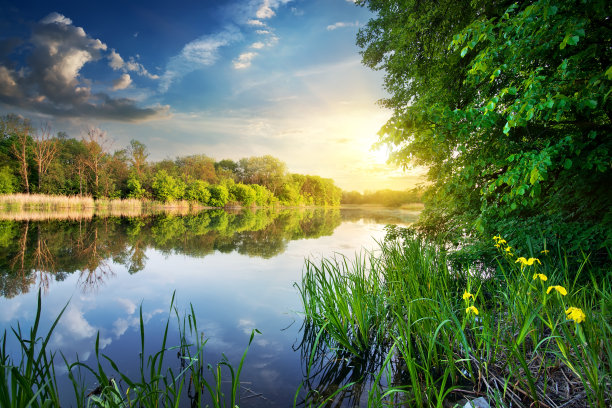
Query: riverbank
point(524, 333)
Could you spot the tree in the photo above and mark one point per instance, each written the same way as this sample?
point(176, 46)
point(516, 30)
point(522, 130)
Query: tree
point(7, 181)
point(219, 196)
point(196, 191)
point(19, 130)
point(244, 193)
point(507, 104)
point(138, 156)
point(95, 141)
point(167, 188)
point(45, 149)
point(267, 171)
point(134, 188)
point(198, 167)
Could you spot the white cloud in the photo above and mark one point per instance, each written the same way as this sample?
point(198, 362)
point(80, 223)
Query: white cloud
point(254, 22)
point(296, 11)
point(342, 24)
point(122, 82)
point(50, 82)
point(198, 54)
point(263, 32)
point(56, 18)
point(244, 60)
point(258, 45)
point(115, 61)
point(264, 11)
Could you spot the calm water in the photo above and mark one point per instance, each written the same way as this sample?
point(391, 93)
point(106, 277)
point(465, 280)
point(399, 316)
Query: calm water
point(237, 270)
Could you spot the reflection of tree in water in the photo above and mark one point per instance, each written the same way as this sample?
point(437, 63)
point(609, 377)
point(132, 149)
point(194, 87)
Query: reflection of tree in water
point(328, 370)
point(43, 251)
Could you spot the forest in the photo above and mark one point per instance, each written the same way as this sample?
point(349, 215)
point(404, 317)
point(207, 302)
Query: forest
point(39, 161)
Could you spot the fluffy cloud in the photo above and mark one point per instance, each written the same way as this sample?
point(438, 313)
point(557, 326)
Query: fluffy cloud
point(244, 60)
point(51, 82)
point(116, 62)
point(122, 82)
point(198, 54)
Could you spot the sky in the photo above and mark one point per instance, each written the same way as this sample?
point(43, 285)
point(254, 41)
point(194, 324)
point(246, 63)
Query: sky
point(228, 79)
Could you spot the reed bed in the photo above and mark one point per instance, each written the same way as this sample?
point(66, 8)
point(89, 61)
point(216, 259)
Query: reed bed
point(31, 380)
point(20, 202)
point(529, 335)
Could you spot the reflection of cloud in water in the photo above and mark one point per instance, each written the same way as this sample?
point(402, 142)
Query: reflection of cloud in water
point(75, 324)
point(271, 376)
point(246, 325)
point(121, 325)
point(9, 310)
point(128, 305)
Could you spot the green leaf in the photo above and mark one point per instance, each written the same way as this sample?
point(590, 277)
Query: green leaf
point(464, 51)
point(609, 73)
point(567, 163)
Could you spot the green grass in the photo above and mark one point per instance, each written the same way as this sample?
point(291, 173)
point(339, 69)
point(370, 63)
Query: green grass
point(31, 381)
point(521, 349)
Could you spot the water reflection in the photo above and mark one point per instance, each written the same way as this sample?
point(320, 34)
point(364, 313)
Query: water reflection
point(41, 251)
point(334, 376)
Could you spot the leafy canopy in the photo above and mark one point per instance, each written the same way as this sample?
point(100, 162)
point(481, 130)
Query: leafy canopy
point(508, 105)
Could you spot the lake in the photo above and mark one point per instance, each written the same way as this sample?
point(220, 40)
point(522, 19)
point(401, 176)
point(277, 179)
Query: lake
point(236, 269)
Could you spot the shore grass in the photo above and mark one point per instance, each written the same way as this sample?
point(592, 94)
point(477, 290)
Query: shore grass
point(31, 380)
point(21, 207)
point(526, 334)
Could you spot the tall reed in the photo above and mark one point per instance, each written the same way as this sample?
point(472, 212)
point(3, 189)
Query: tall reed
point(31, 380)
point(522, 336)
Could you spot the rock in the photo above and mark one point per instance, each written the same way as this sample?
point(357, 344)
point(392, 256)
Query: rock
point(479, 402)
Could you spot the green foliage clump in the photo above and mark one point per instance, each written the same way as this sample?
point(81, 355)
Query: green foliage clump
point(219, 195)
point(196, 190)
point(244, 194)
point(8, 181)
point(134, 188)
point(167, 188)
point(508, 106)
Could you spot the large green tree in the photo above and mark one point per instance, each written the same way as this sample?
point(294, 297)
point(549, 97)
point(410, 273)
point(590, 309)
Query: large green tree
point(508, 106)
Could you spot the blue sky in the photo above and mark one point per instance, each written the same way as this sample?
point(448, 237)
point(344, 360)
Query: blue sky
point(228, 79)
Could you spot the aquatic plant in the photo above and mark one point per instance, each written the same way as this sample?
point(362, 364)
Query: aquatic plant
point(523, 334)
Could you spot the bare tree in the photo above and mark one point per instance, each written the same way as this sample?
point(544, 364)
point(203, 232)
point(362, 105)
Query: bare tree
point(96, 142)
point(20, 130)
point(138, 156)
point(45, 150)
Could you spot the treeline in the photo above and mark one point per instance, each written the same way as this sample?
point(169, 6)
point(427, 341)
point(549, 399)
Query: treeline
point(37, 161)
point(387, 198)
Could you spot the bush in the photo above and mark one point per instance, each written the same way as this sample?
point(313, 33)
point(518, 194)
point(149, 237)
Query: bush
point(219, 195)
point(167, 188)
point(197, 191)
point(7, 181)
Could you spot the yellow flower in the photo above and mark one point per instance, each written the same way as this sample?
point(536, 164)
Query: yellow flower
point(471, 309)
point(467, 295)
point(546, 251)
point(497, 245)
point(529, 261)
point(501, 241)
point(497, 237)
point(558, 288)
point(508, 248)
point(541, 276)
point(576, 314)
